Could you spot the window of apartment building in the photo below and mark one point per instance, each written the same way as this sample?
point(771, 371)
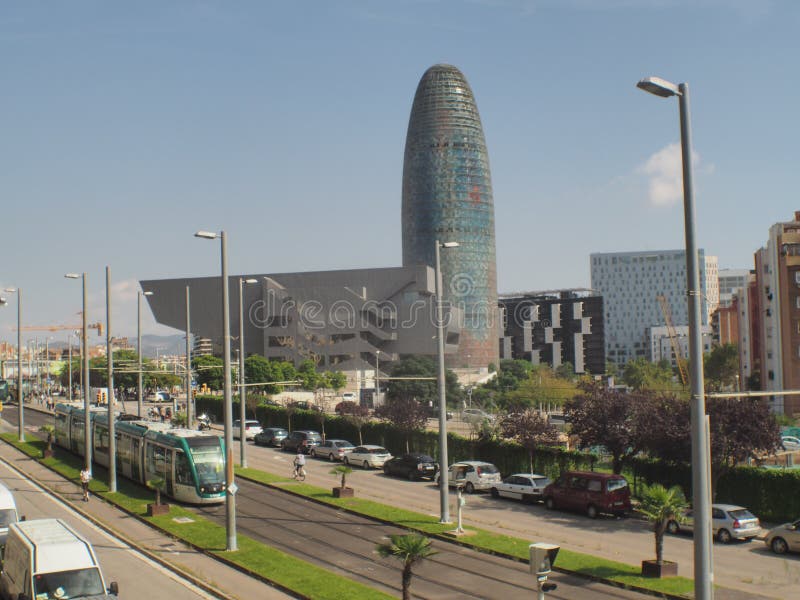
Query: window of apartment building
point(797, 277)
point(797, 302)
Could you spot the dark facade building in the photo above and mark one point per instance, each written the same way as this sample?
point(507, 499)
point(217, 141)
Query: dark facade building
point(447, 197)
point(555, 328)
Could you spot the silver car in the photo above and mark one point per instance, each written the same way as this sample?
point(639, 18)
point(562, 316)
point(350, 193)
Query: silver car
point(784, 538)
point(473, 475)
point(728, 522)
point(367, 456)
point(527, 487)
point(251, 428)
point(332, 449)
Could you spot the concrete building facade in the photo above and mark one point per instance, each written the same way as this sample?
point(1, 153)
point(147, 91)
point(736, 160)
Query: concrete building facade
point(630, 283)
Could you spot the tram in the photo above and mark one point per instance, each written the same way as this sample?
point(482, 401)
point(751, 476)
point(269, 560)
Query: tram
point(189, 464)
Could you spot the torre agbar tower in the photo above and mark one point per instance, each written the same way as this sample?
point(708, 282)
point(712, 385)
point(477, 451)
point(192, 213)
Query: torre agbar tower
point(447, 196)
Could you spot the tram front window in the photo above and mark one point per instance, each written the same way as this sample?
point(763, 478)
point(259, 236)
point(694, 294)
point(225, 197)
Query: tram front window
point(209, 463)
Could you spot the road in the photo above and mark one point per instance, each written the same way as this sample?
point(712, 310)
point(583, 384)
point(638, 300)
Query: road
point(345, 544)
point(137, 576)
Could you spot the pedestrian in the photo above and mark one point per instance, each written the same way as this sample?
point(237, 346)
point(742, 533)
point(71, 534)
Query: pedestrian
point(86, 477)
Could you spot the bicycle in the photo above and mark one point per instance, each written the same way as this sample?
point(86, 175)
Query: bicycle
point(299, 473)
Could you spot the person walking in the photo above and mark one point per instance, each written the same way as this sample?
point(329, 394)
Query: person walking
point(86, 477)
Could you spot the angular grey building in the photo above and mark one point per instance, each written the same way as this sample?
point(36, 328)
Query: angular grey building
point(447, 196)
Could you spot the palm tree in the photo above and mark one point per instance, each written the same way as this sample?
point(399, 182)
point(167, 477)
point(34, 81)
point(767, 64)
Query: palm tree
point(659, 505)
point(410, 549)
point(342, 470)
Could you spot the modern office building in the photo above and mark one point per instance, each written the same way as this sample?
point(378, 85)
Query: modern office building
point(663, 345)
point(447, 196)
point(344, 320)
point(631, 282)
point(777, 306)
point(554, 328)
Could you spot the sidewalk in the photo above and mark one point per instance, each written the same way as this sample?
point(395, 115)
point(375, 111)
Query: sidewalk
point(211, 575)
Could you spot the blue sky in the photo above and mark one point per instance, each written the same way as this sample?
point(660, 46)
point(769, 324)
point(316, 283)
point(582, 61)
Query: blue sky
point(128, 126)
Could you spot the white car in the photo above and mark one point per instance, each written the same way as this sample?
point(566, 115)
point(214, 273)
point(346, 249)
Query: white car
point(473, 475)
point(475, 415)
point(527, 487)
point(728, 522)
point(251, 428)
point(367, 456)
point(791, 443)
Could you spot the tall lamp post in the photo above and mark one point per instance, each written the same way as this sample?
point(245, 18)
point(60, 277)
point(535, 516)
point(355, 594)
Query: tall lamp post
point(21, 412)
point(701, 488)
point(444, 505)
point(139, 392)
point(69, 346)
point(189, 411)
point(242, 389)
point(377, 377)
point(87, 423)
point(112, 435)
point(230, 490)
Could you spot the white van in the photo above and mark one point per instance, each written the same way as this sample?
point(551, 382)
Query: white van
point(8, 512)
point(45, 559)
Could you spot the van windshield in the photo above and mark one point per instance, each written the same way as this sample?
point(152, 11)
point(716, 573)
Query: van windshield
point(7, 516)
point(79, 583)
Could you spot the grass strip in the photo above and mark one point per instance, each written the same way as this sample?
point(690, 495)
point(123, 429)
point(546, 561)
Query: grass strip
point(272, 564)
point(480, 539)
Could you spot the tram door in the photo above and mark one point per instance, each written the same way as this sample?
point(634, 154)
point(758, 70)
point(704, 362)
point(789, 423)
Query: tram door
point(136, 460)
point(170, 475)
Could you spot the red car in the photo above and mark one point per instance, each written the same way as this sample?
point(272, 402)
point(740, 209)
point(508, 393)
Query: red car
point(589, 492)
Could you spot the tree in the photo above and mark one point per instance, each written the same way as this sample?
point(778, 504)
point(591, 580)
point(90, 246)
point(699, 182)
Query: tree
point(336, 380)
point(668, 429)
point(740, 429)
point(410, 549)
point(406, 414)
point(341, 471)
point(566, 371)
point(659, 505)
point(641, 374)
point(610, 418)
point(258, 369)
point(357, 416)
point(424, 390)
point(530, 429)
point(542, 389)
point(721, 368)
point(209, 371)
point(307, 374)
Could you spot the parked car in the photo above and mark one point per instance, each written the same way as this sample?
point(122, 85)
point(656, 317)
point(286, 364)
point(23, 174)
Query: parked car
point(527, 487)
point(412, 466)
point(349, 396)
point(367, 456)
point(589, 492)
point(251, 428)
point(790, 442)
point(270, 436)
point(475, 415)
point(348, 407)
point(728, 522)
point(473, 475)
point(784, 538)
point(304, 439)
point(332, 449)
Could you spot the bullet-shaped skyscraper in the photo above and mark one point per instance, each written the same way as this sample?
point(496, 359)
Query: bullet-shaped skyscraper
point(447, 196)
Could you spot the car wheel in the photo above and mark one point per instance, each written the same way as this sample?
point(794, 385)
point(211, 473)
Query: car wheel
point(494, 493)
point(330, 456)
point(549, 503)
point(386, 470)
point(724, 536)
point(591, 511)
point(779, 545)
point(469, 488)
point(347, 462)
point(673, 527)
point(313, 453)
point(411, 476)
point(365, 465)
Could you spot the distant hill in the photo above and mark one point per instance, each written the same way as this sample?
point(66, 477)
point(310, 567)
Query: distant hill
point(151, 344)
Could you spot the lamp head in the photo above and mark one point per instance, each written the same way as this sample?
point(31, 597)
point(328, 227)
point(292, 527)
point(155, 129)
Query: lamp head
point(659, 87)
point(72, 276)
point(450, 244)
point(251, 280)
point(10, 290)
point(208, 235)
point(147, 293)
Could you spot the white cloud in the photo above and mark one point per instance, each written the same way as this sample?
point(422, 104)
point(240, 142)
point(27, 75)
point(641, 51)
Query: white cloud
point(663, 169)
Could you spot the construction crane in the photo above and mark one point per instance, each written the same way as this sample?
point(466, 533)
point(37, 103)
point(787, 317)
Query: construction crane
point(98, 326)
point(673, 338)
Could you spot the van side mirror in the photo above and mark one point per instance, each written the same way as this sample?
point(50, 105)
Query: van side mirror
point(114, 588)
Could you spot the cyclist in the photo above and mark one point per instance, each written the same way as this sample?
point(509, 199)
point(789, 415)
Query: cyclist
point(299, 463)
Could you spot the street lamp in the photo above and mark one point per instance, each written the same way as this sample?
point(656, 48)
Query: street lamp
point(443, 475)
point(139, 396)
point(377, 377)
point(112, 435)
point(242, 389)
point(21, 414)
point(87, 424)
point(230, 490)
point(188, 375)
point(701, 488)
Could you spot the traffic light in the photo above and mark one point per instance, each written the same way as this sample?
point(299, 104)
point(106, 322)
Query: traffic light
point(97, 400)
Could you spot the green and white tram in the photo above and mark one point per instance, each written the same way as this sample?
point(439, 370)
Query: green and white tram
point(189, 464)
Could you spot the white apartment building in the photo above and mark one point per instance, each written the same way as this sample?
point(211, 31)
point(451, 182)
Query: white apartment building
point(630, 283)
point(731, 281)
point(661, 345)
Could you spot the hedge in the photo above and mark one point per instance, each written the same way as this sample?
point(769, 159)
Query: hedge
point(773, 495)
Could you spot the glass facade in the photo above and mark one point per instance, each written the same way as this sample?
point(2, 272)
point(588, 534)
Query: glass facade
point(447, 195)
